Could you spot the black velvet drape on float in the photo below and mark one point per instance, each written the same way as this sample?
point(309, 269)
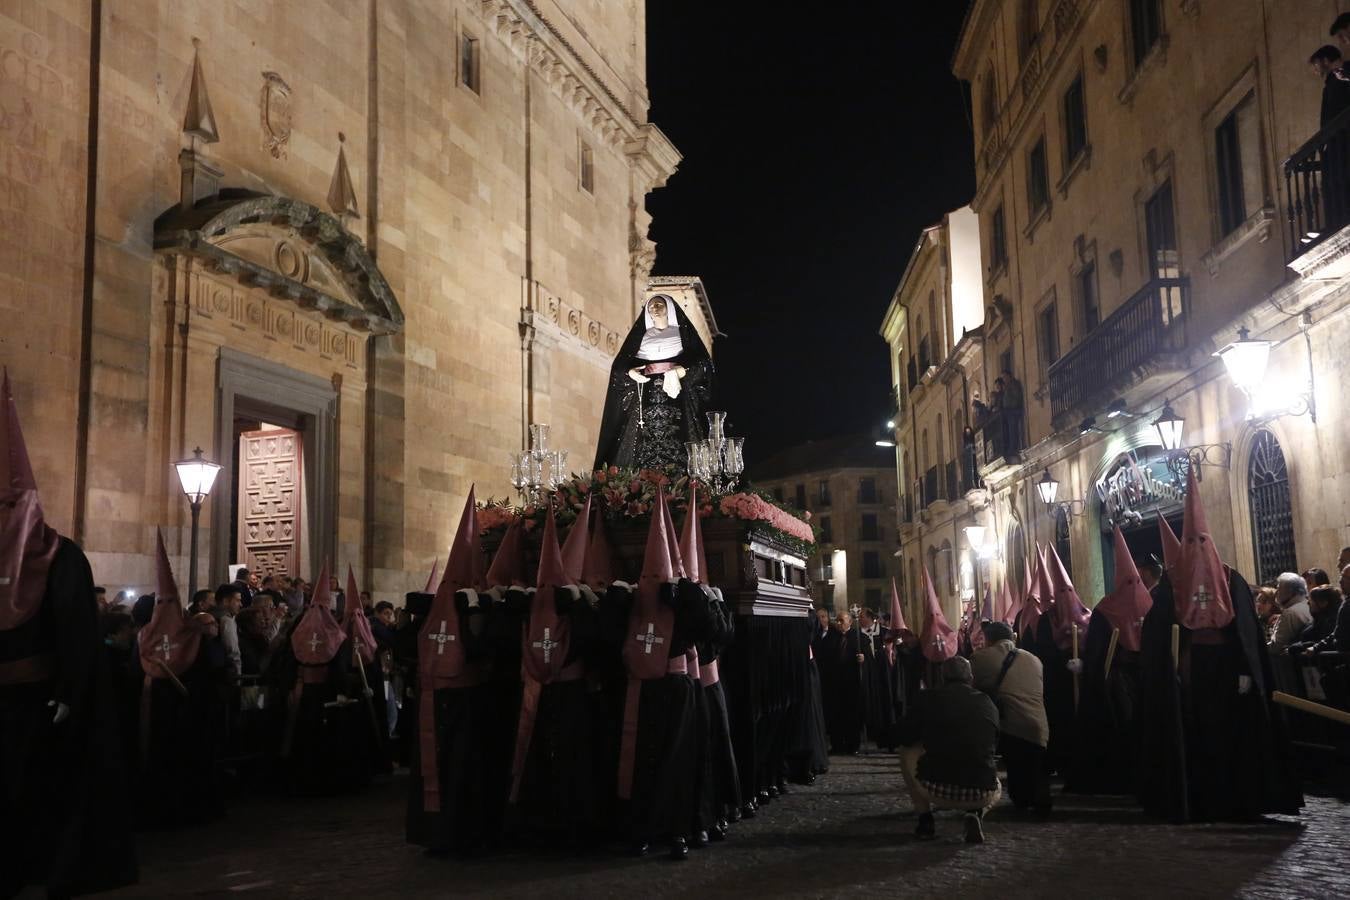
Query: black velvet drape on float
point(666, 424)
point(760, 672)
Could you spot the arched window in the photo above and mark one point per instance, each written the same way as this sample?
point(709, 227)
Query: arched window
point(1028, 28)
point(1272, 516)
point(989, 102)
point(1062, 545)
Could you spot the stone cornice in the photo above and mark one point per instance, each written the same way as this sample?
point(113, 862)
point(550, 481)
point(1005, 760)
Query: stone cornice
point(652, 153)
point(976, 23)
point(542, 46)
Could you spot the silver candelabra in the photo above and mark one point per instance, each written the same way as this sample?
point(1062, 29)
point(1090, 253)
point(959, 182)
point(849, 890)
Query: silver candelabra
point(538, 471)
point(717, 460)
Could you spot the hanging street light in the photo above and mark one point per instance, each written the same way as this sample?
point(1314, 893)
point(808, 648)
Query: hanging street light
point(1048, 488)
point(197, 475)
point(975, 536)
point(1246, 361)
point(1169, 426)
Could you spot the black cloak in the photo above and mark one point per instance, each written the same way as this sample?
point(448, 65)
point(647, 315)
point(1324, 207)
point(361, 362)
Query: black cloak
point(619, 431)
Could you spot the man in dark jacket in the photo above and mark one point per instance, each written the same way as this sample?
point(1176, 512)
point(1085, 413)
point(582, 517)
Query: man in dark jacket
point(948, 753)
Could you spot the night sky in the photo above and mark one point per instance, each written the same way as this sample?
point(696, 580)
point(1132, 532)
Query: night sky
point(817, 142)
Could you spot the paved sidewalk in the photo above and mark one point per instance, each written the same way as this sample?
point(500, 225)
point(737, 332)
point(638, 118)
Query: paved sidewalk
point(850, 832)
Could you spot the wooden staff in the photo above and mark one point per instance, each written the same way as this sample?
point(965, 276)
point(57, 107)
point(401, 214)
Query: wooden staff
point(1111, 652)
point(1075, 674)
point(182, 689)
point(365, 690)
point(1176, 649)
point(1308, 706)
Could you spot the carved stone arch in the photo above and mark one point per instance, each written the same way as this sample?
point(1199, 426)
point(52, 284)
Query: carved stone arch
point(1251, 438)
point(290, 249)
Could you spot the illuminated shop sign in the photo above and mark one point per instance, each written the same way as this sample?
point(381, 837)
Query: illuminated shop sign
point(1134, 486)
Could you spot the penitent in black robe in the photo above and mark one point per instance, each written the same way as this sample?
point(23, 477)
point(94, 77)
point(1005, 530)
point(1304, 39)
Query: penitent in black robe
point(720, 790)
point(845, 695)
point(556, 802)
point(1107, 747)
point(64, 806)
point(458, 826)
point(502, 690)
point(1059, 708)
point(642, 427)
point(879, 711)
point(809, 745)
point(664, 801)
point(1209, 753)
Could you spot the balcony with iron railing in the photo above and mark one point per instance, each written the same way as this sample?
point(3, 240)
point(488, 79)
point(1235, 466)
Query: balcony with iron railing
point(952, 487)
point(1142, 338)
point(1317, 188)
point(929, 494)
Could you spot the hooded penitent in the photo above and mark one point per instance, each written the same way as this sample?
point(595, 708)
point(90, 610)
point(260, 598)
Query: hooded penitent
point(984, 614)
point(440, 654)
point(27, 544)
point(1171, 547)
point(651, 625)
point(1128, 603)
point(318, 636)
point(1036, 601)
point(939, 638)
point(574, 548)
point(431, 579)
point(508, 565)
point(169, 644)
point(355, 624)
point(598, 571)
point(1068, 611)
point(898, 626)
point(1199, 582)
point(548, 639)
point(1008, 607)
point(691, 543)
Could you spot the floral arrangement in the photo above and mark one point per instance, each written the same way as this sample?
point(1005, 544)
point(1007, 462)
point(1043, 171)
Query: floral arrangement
point(631, 494)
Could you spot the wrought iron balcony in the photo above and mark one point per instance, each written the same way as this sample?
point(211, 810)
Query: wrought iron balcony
point(1122, 349)
point(930, 486)
point(952, 492)
point(1317, 187)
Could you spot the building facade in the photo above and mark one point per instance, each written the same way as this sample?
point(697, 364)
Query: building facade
point(350, 251)
point(847, 484)
point(1152, 177)
point(934, 328)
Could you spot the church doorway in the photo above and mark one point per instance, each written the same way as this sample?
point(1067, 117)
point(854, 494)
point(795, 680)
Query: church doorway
point(1137, 489)
point(278, 445)
point(268, 521)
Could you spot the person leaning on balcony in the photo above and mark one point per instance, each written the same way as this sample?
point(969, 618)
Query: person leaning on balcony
point(1012, 413)
point(1328, 65)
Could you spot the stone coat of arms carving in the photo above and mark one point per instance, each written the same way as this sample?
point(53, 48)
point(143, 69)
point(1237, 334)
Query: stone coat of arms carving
point(276, 114)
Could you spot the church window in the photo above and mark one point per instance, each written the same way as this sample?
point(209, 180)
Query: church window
point(469, 62)
point(587, 173)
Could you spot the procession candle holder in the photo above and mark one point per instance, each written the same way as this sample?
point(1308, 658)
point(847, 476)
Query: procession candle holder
point(717, 460)
point(537, 471)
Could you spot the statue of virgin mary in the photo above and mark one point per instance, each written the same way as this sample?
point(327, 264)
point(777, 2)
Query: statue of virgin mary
point(659, 386)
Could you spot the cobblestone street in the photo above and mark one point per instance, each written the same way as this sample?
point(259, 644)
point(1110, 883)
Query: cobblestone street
point(848, 833)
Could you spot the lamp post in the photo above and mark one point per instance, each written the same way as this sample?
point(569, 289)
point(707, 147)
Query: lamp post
point(196, 475)
point(1181, 458)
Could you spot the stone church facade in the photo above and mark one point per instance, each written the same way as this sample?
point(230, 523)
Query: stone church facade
point(349, 250)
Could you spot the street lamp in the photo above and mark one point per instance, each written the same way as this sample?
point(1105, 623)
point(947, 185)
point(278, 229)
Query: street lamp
point(196, 475)
point(1246, 361)
point(1169, 426)
point(1048, 488)
point(975, 537)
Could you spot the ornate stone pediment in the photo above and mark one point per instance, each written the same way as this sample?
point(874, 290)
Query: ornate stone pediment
point(291, 249)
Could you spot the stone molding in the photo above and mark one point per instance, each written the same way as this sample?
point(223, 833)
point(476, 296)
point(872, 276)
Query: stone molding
point(576, 329)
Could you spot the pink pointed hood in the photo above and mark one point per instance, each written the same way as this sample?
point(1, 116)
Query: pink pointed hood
point(440, 644)
point(355, 623)
point(574, 548)
point(691, 542)
point(318, 636)
point(898, 626)
point(508, 565)
point(431, 579)
point(27, 544)
point(651, 624)
point(169, 641)
point(1199, 582)
point(1171, 547)
point(1038, 597)
point(939, 638)
point(598, 572)
point(1068, 611)
point(1128, 603)
point(1008, 608)
point(548, 637)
